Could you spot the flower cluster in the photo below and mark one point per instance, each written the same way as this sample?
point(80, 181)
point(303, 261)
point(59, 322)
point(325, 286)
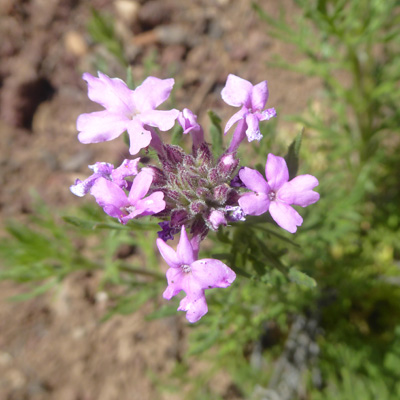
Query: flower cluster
point(194, 192)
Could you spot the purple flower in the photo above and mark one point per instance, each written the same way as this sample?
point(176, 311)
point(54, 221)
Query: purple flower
point(125, 110)
point(277, 193)
point(167, 232)
point(188, 121)
point(107, 171)
point(239, 92)
point(216, 218)
point(117, 204)
point(193, 276)
point(235, 213)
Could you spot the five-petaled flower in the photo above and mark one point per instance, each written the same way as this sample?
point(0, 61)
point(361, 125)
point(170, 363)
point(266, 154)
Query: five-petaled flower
point(117, 204)
point(239, 92)
point(193, 276)
point(126, 110)
point(105, 170)
point(277, 193)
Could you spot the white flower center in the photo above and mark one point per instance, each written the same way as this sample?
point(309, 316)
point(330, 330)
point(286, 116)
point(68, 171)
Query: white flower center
point(129, 209)
point(272, 196)
point(186, 268)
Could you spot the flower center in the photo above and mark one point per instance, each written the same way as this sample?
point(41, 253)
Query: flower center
point(186, 268)
point(129, 209)
point(272, 196)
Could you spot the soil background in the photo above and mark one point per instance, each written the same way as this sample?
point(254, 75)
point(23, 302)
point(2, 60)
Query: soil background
point(54, 346)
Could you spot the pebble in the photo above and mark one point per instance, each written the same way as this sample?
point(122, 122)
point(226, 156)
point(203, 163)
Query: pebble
point(75, 44)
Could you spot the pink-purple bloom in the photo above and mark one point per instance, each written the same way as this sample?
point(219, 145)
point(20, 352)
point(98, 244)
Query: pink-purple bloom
point(126, 110)
point(118, 204)
point(193, 276)
point(188, 121)
point(276, 194)
point(195, 191)
point(239, 92)
point(105, 170)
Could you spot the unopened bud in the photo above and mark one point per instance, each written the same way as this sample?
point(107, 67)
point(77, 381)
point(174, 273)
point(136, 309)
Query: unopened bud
point(199, 228)
point(215, 219)
point(227, 165)
point(204, 155)
point(159, 178)
point(197, 207)
point(174, 154)
point(214, 176)
point(221, 193)
point(178, 218)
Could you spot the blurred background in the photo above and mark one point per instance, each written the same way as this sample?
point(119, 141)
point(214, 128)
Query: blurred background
point(81, 313)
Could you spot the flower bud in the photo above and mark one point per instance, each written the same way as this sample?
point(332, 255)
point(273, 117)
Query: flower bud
point(174, 154)
point(159, 178)
point(189, 161)
point(221, 193)
point(199, 228)
point(227, 165)
point(204, 155)
point(202, 192)
point(178, 217)
point(213, 176)
point(215, 219)
point(197, 207)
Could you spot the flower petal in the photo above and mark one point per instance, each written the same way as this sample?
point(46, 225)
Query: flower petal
point(100, 126)
point(235, 118)
point(140, 186)
point(109, 196)
point(299, 191)
point(164, 120)
point(80, 188)
point(254, 203)
point(267, 114)
point(168, 254)
point(148, 206)
point(175, 278)
point(210, 273)
point(237, 91)
point(185, 250)
point(285, 216)
point(276, 171)
point(195, 306)
point(111, 93)
point(152, 92)
point(139, 137)
point(254, 180)
point(188, 121)
point(253, 127)
point(126, 169)
point(259, 96)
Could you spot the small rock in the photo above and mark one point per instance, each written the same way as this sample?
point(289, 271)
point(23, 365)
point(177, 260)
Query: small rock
point(75, 44)
point(127, 10)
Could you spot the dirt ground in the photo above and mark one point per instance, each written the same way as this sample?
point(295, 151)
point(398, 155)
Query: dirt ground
point(54, 346)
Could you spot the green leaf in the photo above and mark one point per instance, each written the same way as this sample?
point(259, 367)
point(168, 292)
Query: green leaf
point(35, 292)
point(207, 342)
point(292, 156)
point(216, 132)
point(301, 278)
point(129, 78)
point(80, 223)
